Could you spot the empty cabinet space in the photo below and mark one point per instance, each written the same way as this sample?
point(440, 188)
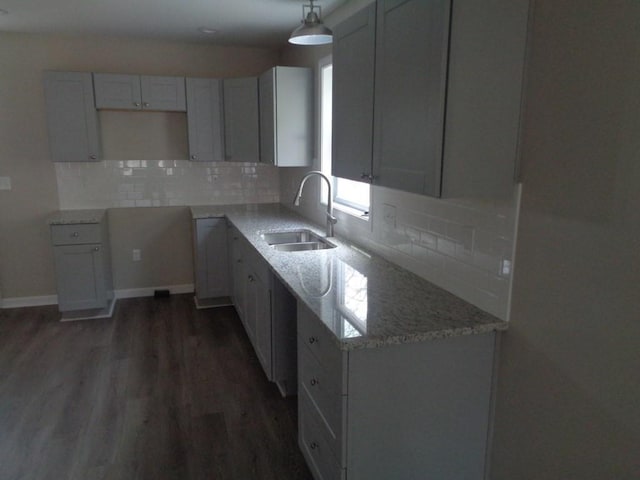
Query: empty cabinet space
point(241, 120)
point(71, 117)
point(135, 92)
point(83, 268)
point(286, 117)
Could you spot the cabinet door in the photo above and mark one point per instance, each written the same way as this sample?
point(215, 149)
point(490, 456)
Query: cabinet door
point(163, 93)
point(260, 286)
point(117, 91)
point(238, 273)
point(268, 144)
point(80, 277)
point(212, 277)
point(204, 119)
point(71, 117)
point(411, 67)
point(353, 72)
point(241, 122)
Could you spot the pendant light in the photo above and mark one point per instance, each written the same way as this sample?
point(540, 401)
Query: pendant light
point(312, 31)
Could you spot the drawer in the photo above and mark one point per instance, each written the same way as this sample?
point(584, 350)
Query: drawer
point(76, 234)
point(323, 387)
point(316, 447)
point(318, 339)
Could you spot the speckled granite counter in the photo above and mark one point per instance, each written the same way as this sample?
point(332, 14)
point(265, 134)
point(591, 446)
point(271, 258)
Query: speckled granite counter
point(74, 217)
point(363, 299)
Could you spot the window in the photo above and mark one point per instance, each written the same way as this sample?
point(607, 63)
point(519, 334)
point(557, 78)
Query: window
point(346, 193)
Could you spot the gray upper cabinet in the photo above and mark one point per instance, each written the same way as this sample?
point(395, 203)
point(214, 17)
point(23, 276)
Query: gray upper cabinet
point(241, 120)
point(71, 117)
point(448, 84)
point(286, 116)
point(134, 92)
point(205, 120)
point(353, 75)
point(410, 81)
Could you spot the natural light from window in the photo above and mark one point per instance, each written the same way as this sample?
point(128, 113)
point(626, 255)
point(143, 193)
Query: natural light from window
point(346, 192)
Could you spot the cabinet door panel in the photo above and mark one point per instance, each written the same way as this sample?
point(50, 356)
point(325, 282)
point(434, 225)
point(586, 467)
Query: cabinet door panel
point(263, 322)
point(163, 93)
point(268, 143)
point(353, 71)
point(241, 120)
point(411, 68)
point(117, 91)
point(71, 117)
point(80, 277)
point(211, 258)
point(204, 118)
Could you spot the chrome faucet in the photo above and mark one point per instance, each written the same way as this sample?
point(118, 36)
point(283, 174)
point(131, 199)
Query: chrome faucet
point(331, 220)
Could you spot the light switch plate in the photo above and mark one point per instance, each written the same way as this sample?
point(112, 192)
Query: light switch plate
point(5, 183)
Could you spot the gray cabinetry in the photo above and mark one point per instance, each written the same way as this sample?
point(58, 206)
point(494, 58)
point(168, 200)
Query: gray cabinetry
point(286, 116)
point(204, 119)
point(83, 270)
point(448, 81)
point(241, 120)
point(71, 117)
point(211, 269)
point(416, 410)
point(134, 92)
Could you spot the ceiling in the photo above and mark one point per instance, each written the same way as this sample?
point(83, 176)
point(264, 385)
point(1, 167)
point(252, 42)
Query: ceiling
point(266, 23)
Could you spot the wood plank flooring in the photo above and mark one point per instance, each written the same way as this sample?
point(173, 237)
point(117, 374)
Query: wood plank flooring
point(159, 391)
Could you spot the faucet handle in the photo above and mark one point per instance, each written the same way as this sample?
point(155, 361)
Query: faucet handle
point(331, 218)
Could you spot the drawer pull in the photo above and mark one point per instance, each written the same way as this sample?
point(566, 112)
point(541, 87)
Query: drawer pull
point(96, 249)
point(313, 382)
point(313, 445)
point(75, 234)
point(313, 340)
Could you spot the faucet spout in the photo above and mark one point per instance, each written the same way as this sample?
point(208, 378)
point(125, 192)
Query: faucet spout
point(331, 220)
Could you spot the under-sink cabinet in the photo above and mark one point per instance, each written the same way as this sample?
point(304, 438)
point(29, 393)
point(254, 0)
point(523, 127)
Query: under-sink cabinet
point(84, 280)
point(139, 92)
point(211, 267)
point(416, 410)
point(72, 119)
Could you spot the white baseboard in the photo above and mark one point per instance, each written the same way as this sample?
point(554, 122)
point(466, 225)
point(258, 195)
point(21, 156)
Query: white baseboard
point(19, 302)
point(149, 291)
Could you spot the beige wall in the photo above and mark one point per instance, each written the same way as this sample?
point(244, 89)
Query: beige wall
point(26, 267)
point(568, 394)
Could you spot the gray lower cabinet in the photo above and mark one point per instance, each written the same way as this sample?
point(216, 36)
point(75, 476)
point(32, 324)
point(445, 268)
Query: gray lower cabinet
point(205, 120)
point(71, 117)
point(417, 410)
point(139, 92)
point(211, 263)
point(83, 266)
point(241, 120)
point(286, 116)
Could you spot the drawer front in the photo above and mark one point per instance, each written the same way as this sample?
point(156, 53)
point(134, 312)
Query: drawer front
point(318, 339)
point(323, 388)
point(315, 444)
point(77, 234)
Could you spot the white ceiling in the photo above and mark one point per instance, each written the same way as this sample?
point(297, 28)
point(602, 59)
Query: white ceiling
point(240, 22)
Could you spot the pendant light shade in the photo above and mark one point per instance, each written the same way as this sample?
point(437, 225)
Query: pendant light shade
point(312, 31)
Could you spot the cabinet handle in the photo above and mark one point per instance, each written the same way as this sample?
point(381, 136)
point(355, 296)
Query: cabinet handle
point(136, 104)
point(194, 157)
point(313, 382)
point(312, 340)
point(96, 249)
point(146, 105)
point(239, 260)
point(251, 279)
point(367, 176)
point(75, 234)
point(93, 157)
point(313, 445)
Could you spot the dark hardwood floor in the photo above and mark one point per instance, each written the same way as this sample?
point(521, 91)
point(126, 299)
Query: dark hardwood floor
point(159, 391)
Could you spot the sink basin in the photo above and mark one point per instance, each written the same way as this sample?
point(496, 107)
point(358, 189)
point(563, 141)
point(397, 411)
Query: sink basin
point(296, 241)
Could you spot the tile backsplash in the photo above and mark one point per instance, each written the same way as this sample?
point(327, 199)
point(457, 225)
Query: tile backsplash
point(159, 183)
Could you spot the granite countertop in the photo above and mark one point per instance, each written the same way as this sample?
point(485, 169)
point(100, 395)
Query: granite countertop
point(74, 217)
point(364, 300)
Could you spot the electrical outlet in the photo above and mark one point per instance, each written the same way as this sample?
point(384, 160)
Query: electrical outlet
point(136, 256)
point(389, 215)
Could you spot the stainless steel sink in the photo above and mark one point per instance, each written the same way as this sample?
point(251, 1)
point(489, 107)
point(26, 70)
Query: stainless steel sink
point(296, 241)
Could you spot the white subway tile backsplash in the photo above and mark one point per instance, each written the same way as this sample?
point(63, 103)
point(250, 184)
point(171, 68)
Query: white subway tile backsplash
point(142, 183)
